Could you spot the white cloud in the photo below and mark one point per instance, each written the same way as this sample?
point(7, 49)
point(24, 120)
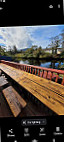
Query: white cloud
point(15, 36)
point(19, 36)
point(26, 36)
point(43, 34)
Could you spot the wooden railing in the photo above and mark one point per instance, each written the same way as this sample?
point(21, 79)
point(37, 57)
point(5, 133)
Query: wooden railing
point(47, 73)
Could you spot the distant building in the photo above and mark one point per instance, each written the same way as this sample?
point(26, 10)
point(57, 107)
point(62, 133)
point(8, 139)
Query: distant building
point(52, 50)
point(59, 50)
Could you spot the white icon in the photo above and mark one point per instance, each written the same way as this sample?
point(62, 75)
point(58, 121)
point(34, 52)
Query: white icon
point(11, 131)
point(57, 129)
point(24, 122)
point(58, 5)
point(53, 140)
point(41, 129)
point(26, 130)
point(34, 140)
point(50, 6)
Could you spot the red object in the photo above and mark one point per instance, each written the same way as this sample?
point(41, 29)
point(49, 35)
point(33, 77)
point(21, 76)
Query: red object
point(47, 73)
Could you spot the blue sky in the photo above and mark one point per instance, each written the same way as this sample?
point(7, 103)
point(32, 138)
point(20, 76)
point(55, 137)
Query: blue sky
point(26, 36)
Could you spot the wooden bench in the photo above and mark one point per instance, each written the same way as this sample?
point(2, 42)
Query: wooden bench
point(3, 81)
point(14, 100)
point(49, 93)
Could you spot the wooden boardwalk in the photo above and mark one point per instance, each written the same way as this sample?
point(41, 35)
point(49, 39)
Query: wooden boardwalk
point(49, 93)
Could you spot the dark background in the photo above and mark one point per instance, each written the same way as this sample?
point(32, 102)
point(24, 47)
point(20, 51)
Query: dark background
point(15, 123)
point(23, 13)
point(18, 13)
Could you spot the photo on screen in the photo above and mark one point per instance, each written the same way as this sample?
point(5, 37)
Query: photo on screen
point(31, 71)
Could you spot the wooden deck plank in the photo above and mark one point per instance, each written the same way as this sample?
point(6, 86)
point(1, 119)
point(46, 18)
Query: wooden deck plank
point(19, 75)
point(51, 100)
point(48, 92)
point(15, 101)
point(32, 76)
point(41, 81)
point(55, 87)
point(40, 89)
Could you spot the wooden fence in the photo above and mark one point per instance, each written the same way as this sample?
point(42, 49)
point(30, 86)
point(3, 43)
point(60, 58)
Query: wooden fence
point(47, 73)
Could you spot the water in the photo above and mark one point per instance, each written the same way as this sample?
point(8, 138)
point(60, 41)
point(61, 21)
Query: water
point(44, 63)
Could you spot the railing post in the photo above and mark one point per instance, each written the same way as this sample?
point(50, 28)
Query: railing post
point(42, 73)
point(35, 71)
point(62, 81)
point(21, 67)
point(51, 75)
point(46, 74)
point(24, 68)
point(28, 69)
point(56, 80)
point(39, 72)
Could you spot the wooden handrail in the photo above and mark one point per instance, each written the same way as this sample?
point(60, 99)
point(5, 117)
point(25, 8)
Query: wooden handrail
point(40, 71)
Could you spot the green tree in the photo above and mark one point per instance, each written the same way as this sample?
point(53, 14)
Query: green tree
point(14, 49)
point(2, 51)
point(62, 38)
point(55, 43)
